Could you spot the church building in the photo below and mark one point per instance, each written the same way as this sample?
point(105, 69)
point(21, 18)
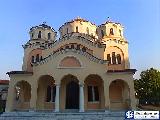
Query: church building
point(85, 67)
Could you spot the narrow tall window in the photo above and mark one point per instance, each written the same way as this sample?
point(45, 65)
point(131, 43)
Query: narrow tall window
point(119, 58)
point(37, 58)
point(49, 36)
point(51, 94)
point(120, 32)
point(102, 33)
point(41, 58)
point(48, 99)
point(67, 31)
point(32, 59)
point(72, 46)
point(96, 32)
point(67, 47)
point(84, 49)
point(109, 58)
point(32, 35)
point(77, 29)
point(39, 34)
point(113, 58)
point(111, 31)
point(87, 30)
point(78, 47)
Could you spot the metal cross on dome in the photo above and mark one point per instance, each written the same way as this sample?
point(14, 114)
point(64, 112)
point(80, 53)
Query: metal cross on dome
point(44, 22)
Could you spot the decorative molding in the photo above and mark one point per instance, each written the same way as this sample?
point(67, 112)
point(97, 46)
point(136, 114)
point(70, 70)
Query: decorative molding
point(76, 36)
point(55, 54)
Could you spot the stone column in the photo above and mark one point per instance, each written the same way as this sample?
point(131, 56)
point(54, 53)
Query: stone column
point(33, 100)
point(106, 95)
point(81, 97)
point(132, 96)
point(11, 98)
point(57, 98)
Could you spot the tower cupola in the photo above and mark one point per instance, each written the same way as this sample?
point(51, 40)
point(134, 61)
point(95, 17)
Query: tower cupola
point(42, 32)
point(110, 30)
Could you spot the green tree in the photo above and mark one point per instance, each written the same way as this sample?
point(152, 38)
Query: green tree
point(148, 86)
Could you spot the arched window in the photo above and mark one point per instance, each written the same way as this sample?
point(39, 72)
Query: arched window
point(102, 33)
point(120, 32)
point(32, 35)
point(87, 30)
point(78, 47)
point(72, 46)
point(61, 49)
point(113, 58)
point(49, 36)
point(119, 58)
point(67, 31)
point(96, 32)
point(111, 31)
point(39, 34)
point(37, 58)
point(32, 60)
point(67, 47)
point(41, 58)
point(109, 58)
point(77, 29)
point(84, 49)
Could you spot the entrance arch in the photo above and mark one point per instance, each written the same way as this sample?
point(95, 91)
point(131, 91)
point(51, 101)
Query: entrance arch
point(94, 92)
point(69, 96)
point(22, 95)
point(46, 93)
point(119, 95)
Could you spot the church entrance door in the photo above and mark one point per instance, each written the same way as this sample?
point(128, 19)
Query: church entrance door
point(72, 95)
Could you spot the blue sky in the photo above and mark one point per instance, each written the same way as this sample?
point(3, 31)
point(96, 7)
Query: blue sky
point(141, 19)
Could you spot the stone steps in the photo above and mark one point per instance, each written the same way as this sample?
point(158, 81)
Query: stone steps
point(62, 116)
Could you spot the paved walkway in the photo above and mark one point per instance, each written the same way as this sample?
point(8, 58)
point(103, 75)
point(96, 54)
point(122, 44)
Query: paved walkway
point(62, 116)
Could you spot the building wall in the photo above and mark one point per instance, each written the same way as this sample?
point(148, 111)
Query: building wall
point(57, 67)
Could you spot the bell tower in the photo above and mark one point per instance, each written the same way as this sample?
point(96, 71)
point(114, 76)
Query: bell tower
point(40, 36)
point(116, 52)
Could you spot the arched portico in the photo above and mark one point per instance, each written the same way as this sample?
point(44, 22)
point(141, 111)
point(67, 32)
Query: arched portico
point(22, 95)
point(119, 95)
point(94, 92)
point(46, 93)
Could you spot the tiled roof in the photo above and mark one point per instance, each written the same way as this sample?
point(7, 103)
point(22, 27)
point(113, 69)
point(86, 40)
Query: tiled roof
point(19, 72)
point(43, 25)
point(125, 70)
point(4, 81)
point(77, 19)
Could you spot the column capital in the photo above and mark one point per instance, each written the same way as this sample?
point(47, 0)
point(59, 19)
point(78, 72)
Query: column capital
point(57, 84)
point(81, 84)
